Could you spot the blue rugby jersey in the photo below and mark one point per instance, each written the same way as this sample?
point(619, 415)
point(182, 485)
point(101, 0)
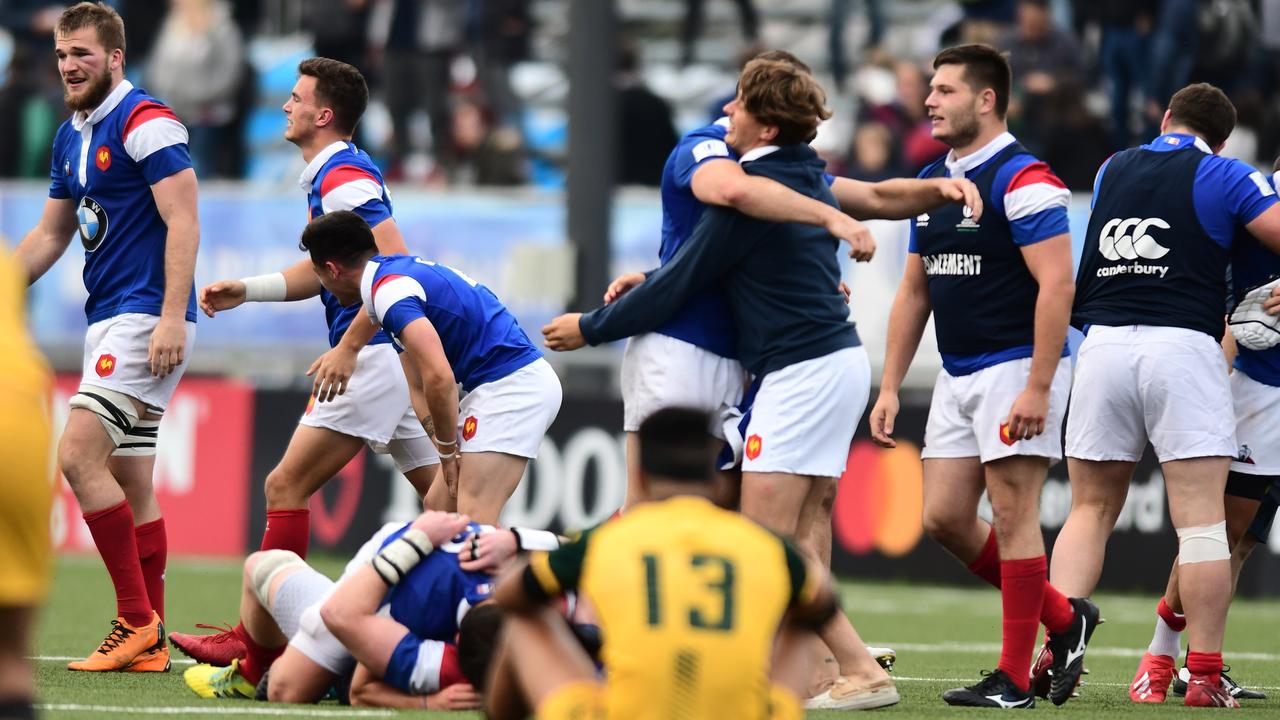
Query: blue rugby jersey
point(1164, 219)
point(343, 177)
point(982, 293)
point(1253, 265)
point(107, 162)
point(481, 338)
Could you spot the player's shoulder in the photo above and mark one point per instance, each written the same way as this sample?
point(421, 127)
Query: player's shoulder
point(348, 165)
point(138, 110)
point(705, 142)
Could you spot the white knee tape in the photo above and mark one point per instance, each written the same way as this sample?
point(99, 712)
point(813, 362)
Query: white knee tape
point(269, 564)
point(140, 441)
point(1203, 544)
point(115, 410)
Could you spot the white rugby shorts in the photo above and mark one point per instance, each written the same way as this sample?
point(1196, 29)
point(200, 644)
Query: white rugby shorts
point(967, 412)
point(376, 408)
point(803, 417)
point(659, 371)
point(511, 414)
point(1138, 382)
point(115, 358)
point(1257, 407)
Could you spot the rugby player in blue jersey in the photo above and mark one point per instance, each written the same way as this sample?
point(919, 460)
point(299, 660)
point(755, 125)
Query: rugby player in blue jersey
point(1000, 293)
point(1252, 481)
point(1149, 294)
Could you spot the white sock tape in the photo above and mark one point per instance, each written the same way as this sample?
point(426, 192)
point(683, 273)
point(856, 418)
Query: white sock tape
point(1203, 544)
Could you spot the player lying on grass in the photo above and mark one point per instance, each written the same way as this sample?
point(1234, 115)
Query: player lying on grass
point(690, 598)
point(449, 331)
point(408, 621)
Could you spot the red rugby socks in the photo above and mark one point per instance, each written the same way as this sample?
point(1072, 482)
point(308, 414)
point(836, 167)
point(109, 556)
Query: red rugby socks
point(153, 553)
point(1022, 594)
point(112, 531)
point(287, 530)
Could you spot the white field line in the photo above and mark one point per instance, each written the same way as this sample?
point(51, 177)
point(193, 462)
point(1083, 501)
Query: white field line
point(1095, 651)
point(256, 709)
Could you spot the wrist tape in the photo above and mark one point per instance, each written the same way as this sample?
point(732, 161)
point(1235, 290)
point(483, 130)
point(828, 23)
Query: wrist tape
point(265, 288)
point(400, 556)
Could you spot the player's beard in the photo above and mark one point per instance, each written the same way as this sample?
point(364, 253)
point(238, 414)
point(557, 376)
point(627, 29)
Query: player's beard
point(97, 89)
point(964, 129)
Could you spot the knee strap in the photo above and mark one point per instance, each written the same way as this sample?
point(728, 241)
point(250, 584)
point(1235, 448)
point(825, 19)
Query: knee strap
point(269, 564)
point(115, 410)
point(140, 441)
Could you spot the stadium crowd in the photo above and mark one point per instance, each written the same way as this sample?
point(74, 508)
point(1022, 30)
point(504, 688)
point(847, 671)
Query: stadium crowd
point(743, 382)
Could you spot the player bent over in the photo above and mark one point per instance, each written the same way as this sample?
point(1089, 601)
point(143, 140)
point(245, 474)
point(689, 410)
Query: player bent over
point(1255, 393)
point(1000, 291)
point(691, 597)
point(121, 176)
point(360, 396)
point(406, 617)
point(450, 331)
point(1150, 294)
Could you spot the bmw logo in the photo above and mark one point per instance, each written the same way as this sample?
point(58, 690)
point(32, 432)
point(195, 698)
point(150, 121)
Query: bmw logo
point(93, 223)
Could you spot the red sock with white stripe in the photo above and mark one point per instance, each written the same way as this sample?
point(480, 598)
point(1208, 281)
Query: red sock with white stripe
point(1169, 626)
point(1022, 595)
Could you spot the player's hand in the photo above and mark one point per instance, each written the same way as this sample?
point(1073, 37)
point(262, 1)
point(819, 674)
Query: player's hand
point(440, 526)
point(1271, 305)
point(455, 697)
point(563, 333)
point(486, 552)
point(621, 285)
point(449, 471)
point(332, 370)
point(846, 291)
point(168, 344)
point(862, 247)
point(960, 190)
point(1026, 417)
point(883, 416)
point(222, 295)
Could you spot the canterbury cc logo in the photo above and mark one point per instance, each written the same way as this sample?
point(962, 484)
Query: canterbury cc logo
point(1127, 239)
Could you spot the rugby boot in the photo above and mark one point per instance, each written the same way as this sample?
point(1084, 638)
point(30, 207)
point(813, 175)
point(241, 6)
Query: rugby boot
point(995, 690)
point(1041, 677)
point(1237, 690)
point(1068, 650)
point(209, 681)
point(1202, 692)
point(123, 645)
point(846, 694)
point(884, 656)
point(152, 661)
point(218, 649)
point(1151, 682)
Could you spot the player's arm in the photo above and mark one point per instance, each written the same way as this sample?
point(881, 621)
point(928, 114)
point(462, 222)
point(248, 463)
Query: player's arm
point(902, 198)
point(439, 390)
point(351, 612)
point(46, 242)
point(907, 320)
point(175, 198)
point(367, 690)
point(719, 240)
point(723, 182)
point(532, 583)
point(1049, 262)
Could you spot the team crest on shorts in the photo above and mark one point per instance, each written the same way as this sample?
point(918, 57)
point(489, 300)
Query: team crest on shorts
point(93, 223)
point(102, 158)
point(311, 403)
point(106, 365)
point(1005, 437)
point(754, 445)
point(469, 428)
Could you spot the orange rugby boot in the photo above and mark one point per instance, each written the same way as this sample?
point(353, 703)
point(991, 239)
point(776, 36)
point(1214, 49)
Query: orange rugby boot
point(124, 645)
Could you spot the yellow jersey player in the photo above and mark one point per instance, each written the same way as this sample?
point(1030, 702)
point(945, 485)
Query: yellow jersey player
point(27, 491)
point(690, 599)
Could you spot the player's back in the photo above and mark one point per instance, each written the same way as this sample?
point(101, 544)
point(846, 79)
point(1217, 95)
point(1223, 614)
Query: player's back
point(690, 597)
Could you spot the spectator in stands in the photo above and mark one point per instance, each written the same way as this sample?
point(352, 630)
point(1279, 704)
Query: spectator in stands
point(196, 67)
point(693, 26)
point(1174, 42)
point(984, 21)
point(906, 120)
point(1072, 140)
point(1041, 55)
point(1123, 54)
point(500, 35)
point(31, 96)
point(838, 17)
point(421, 39)
point(872, 155)
point(486, 154)
point(645, 129)
point(340, 30)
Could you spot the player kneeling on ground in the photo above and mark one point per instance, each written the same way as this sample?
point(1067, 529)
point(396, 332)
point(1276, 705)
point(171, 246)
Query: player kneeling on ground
point(450, 330)
point(391, 619)
point(690, 598)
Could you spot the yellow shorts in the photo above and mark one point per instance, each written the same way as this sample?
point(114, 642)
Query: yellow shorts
point(26, 485)
point(589, 701)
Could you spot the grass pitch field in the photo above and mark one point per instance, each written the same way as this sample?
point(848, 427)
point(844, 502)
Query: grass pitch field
point(943, 636)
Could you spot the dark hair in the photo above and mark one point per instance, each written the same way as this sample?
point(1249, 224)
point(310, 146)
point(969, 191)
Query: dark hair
point(782, 95)
point(477, 640)
point(1275, 166)
point(340, 87)
point(984, 67)
point(341, 236)
point(675, 443)
point(100, 16)
point(1205, 110)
